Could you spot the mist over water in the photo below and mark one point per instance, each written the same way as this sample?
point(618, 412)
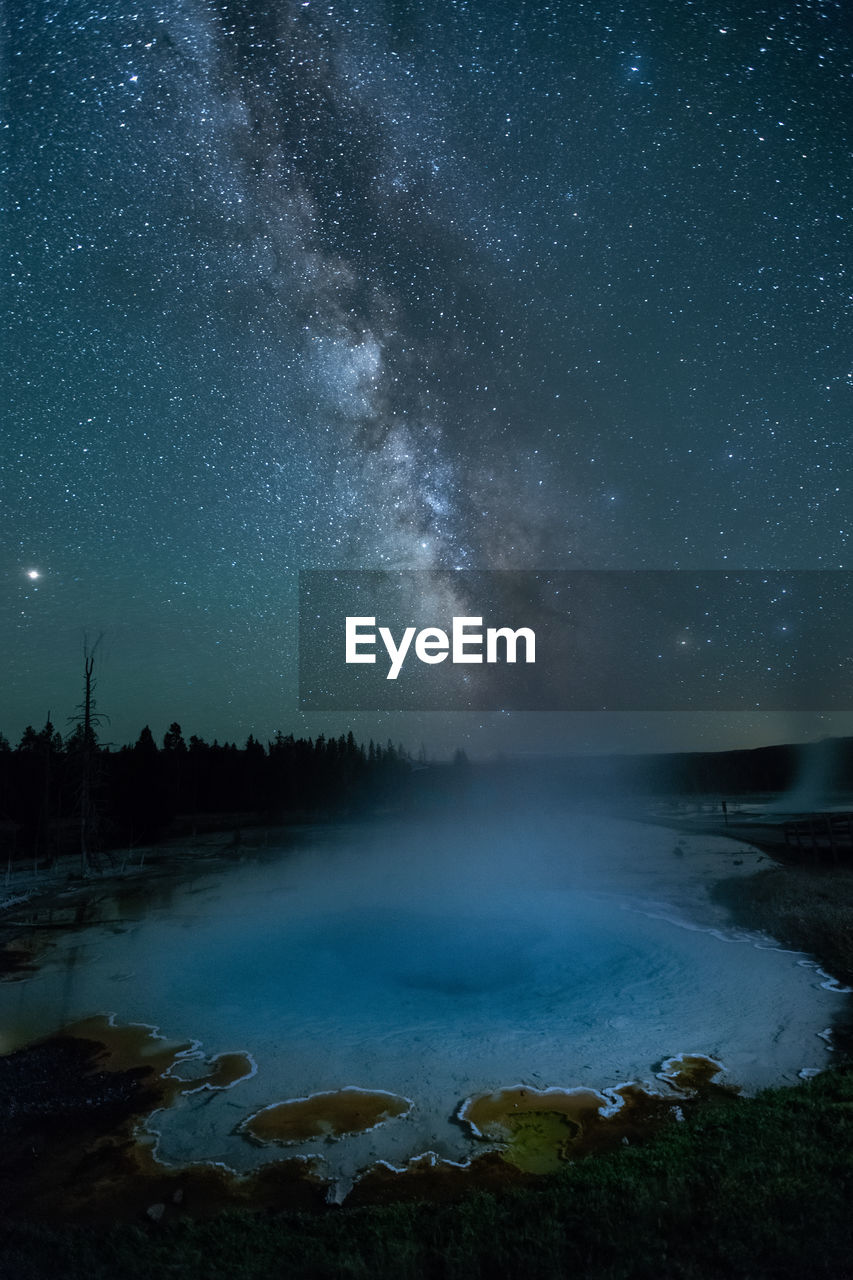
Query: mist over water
point(435, 960)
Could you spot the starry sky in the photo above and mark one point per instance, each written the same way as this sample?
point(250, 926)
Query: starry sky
point(427, 284)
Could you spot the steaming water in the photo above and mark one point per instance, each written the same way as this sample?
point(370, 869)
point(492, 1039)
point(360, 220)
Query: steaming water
point(436, 962)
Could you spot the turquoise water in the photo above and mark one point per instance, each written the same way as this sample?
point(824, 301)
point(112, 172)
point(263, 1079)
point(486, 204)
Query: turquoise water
point(434, 962)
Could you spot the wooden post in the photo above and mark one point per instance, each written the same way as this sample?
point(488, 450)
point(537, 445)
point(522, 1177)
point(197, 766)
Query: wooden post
point(831, 833)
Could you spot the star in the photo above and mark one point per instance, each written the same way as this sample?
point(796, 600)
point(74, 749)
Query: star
point(402, 290)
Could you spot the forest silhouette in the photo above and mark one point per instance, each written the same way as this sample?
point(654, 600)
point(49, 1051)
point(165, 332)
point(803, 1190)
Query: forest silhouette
point(50, 785)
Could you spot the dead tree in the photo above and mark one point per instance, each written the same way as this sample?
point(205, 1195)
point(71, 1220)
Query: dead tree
point(87, 743)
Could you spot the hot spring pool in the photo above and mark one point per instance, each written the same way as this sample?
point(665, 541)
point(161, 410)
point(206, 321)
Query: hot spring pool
point(433, 963)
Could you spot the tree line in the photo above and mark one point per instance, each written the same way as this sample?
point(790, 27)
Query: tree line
point(60, 794)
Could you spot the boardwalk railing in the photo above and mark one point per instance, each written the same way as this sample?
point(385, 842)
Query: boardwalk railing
point(821, 833)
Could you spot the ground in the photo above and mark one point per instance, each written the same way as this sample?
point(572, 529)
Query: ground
point(757, 1187)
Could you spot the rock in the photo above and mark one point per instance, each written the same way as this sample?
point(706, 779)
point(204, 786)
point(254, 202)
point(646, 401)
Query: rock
point(178, 1196)
point(155, 1212)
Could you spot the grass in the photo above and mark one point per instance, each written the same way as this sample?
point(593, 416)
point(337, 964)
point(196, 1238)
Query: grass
point(804, 907)
point(759, 1188)
point(756, 1188)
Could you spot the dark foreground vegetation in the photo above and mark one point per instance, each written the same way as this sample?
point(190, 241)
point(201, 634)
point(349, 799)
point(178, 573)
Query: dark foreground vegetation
point(758, 1188)
point(808, 908)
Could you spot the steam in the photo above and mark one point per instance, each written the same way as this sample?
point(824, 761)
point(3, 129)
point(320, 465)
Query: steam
point(815, 780)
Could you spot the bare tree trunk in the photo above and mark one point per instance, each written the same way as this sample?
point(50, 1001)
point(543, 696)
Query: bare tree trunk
point(86, 720)
point(86, 763)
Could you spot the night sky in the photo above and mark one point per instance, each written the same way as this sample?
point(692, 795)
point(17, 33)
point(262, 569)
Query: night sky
point(434, 284)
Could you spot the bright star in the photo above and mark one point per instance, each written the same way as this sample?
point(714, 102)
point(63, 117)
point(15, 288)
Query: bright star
point(33, 573)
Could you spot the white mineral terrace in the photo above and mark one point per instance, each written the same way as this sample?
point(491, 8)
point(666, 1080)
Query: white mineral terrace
point(434, 964)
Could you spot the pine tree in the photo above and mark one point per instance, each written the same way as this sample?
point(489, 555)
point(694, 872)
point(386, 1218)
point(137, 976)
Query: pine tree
point(173, 739)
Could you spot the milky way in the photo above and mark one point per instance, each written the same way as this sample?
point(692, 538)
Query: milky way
point(416, 285)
